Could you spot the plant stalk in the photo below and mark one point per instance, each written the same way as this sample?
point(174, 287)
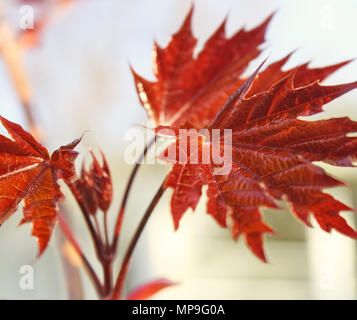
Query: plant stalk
point(128, 187)
point(86, 215)
point(126, 261)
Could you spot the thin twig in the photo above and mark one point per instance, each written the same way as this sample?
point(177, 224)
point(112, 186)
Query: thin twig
point(108, 258)
point(86, 215)
point(106, 233)
point(108, 275)
point(126, 261)
point(104, 255)
point(124, 201)
point(97, 226)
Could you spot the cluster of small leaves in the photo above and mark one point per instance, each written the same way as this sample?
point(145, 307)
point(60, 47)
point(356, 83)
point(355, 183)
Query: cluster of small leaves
point(95, 186)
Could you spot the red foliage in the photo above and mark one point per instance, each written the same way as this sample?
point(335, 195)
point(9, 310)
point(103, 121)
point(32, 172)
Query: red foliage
point(272, 150)
point(189, 91)
point(29, 173)
point(271, 157)
point(263, 152)
point(95, 186)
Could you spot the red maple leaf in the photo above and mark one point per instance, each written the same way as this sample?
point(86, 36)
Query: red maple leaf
point(270, 158)
point(271, 150)
point(29, 173)
point(189, 91)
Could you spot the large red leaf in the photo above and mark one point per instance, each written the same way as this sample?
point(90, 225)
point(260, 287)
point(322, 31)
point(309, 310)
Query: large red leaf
point(189, 91)
point(29, 173)
point(271, 159)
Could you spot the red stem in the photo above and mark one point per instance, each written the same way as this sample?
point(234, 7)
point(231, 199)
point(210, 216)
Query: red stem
point(105, 223)
point(97, 242)
point(104, 253)
point(124, 201)
point(126, 261)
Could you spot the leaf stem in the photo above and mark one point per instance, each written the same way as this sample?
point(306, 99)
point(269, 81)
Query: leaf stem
point(126, 261)
point(103, 251)
point(97, 227)
point(107, 259)
point(86, 215)
point(107, 265)
point(128, 187)
point(106, 233)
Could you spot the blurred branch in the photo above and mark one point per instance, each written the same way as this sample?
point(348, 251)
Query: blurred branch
point(84, 261)
point(74, 287)
point(12, 53)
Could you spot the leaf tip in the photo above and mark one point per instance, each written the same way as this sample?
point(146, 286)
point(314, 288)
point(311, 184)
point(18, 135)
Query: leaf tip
point(149, 289)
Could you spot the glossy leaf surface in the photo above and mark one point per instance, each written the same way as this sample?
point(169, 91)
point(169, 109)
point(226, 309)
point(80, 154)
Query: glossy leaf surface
point(270, 158)
point(189, 90)
point(28, 173)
